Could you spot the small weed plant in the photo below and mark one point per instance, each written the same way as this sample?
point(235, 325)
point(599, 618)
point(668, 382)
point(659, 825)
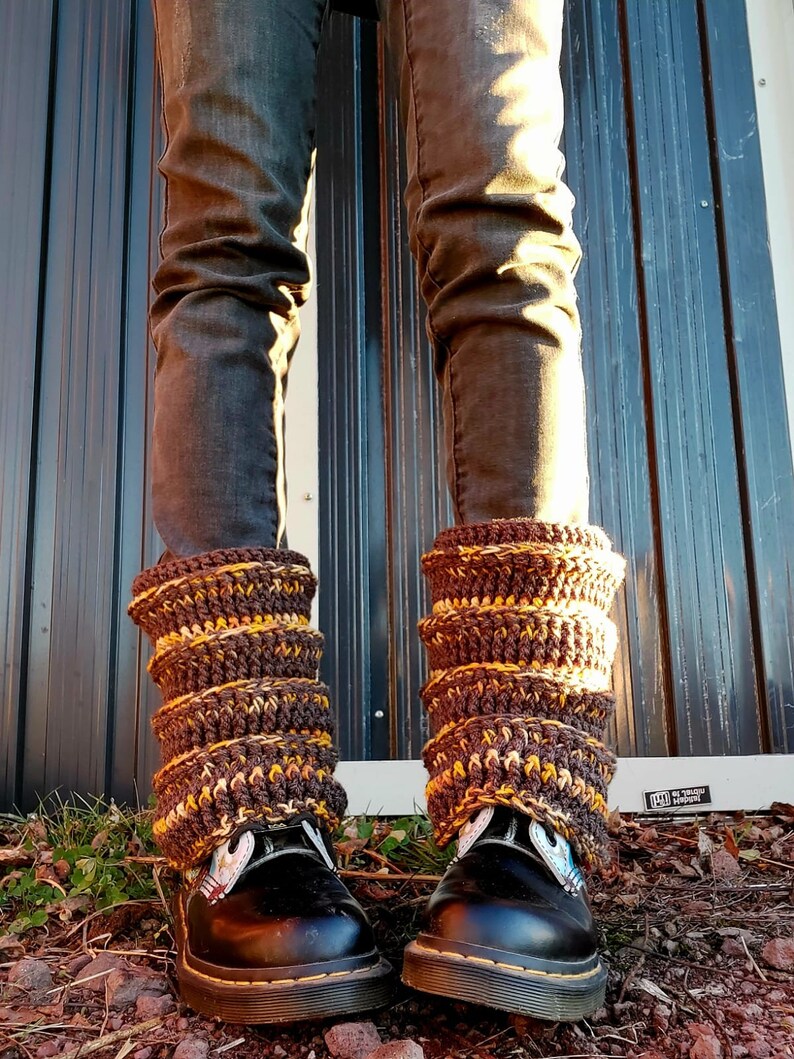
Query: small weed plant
point(404, 846)
point(68, 857)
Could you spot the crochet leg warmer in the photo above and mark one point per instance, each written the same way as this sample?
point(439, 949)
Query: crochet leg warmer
point(245, 730)
point(520, 652)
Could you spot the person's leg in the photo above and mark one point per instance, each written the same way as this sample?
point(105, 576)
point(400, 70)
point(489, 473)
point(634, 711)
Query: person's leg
point(519, 643)
point(245, 729)
point(491, 231)
point(239, 104)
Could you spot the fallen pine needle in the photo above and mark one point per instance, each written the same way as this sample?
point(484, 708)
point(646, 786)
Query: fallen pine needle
point(112, 1038)
point(230, 1045)
point(751, 958)
point(382, 860)
point(682, 963)
point(159, 887)
point(388, 876)
point(349, 872)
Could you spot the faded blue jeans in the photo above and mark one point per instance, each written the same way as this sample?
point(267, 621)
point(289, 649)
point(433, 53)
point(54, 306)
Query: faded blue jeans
point(490, 229)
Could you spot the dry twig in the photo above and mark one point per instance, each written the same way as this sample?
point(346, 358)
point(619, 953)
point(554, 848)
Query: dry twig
point(117, 1037)
point(350, 873)
point(750, 957)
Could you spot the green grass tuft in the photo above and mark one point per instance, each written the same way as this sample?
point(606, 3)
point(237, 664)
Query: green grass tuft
point(73, 857)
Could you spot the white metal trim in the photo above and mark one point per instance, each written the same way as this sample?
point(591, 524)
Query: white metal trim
point(751, 782)
point(770, 25)
point(301, 430)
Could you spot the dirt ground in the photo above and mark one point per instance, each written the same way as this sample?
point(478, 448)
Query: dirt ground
point(698, 934)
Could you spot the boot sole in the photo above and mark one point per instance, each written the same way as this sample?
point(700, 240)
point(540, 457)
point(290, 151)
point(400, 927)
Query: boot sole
point(472, 974)
point(315, 994)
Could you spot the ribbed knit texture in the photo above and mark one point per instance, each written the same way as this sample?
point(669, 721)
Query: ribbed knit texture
point(520, 651)
point(245, 730)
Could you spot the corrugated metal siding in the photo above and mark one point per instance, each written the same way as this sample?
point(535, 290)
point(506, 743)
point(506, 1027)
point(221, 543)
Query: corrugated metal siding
point(76, 367)
point(382, 492)
point(73, 586)
point(417, 500)
point(24, 129)
point(134, 755)
point(616, 374)
point(691, 466)
point(690, 460)
point(695, 469)
point(755, 362)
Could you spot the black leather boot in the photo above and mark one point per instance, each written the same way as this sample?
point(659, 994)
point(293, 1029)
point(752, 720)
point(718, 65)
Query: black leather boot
point(509, 925)
point(268, 932)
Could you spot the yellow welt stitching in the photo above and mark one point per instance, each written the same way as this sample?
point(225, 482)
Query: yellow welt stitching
point(277, 981)
point(507, 966)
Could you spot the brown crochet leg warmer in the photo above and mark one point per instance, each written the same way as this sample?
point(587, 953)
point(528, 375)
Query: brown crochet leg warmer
point(520, 651)
point(245, 729)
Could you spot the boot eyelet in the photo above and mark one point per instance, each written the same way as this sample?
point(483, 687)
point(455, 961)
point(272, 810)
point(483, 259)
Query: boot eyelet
point(551, 835)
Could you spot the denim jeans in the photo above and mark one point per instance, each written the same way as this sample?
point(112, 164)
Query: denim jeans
point(490, 228)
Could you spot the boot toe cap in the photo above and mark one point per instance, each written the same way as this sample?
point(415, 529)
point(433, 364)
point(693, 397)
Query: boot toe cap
point(534, 929)
point(316, 920)
point(495, 898)
point(234, 937)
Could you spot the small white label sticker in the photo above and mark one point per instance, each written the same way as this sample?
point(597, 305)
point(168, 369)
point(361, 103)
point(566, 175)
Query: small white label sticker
point(677, 798)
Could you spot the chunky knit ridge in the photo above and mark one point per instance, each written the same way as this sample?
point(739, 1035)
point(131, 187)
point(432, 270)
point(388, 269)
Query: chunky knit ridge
point(245, 730)
point(520, 650)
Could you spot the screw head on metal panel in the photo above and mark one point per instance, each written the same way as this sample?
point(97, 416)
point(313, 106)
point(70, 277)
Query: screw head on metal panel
point(308, 496)
point(704, 203)
point(762, 81)
point(379, 714)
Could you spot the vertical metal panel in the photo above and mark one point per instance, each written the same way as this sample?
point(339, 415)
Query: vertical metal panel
point(134, 697)
point(418, 502)
point(621, 490)
point(25, 75)
point(378, 409)
point(708, 602)
point(754, 348)
point(353, 527)
point(66, 726)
